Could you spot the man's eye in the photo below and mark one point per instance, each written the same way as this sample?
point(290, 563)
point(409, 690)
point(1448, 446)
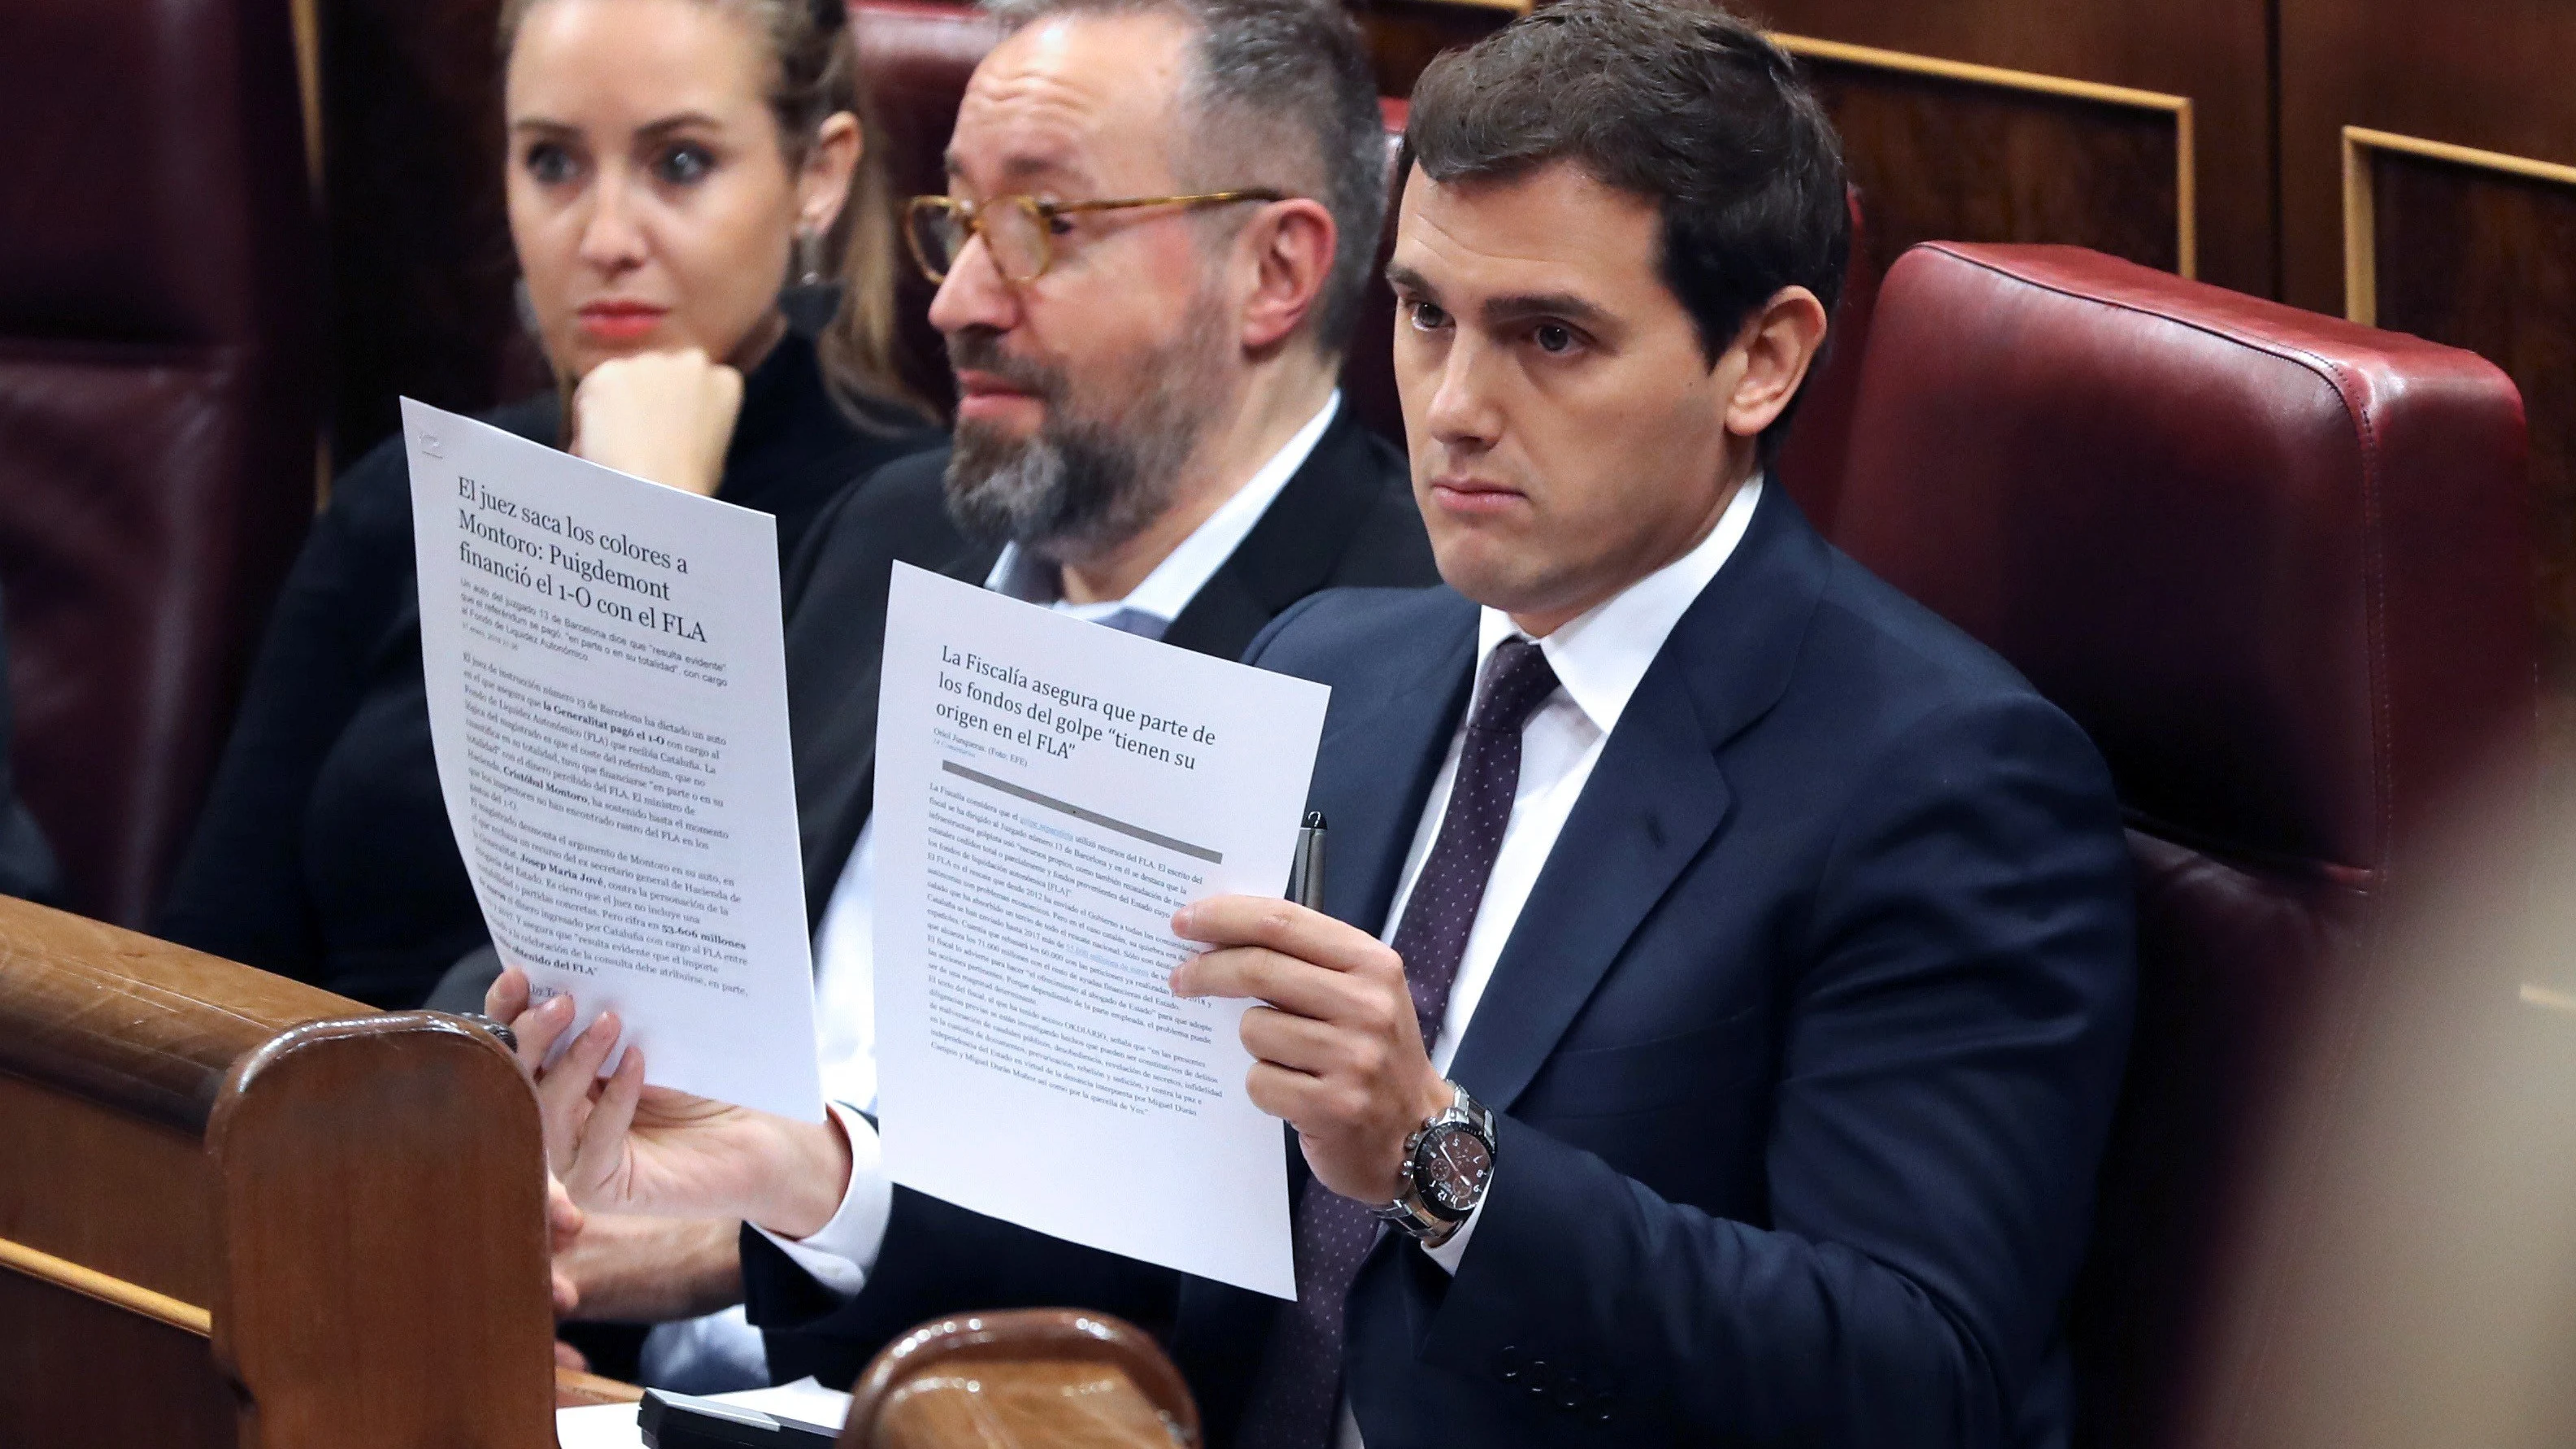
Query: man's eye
point(681, 165)
point(1426, 316)
point(1552, 338)
point(549, 164)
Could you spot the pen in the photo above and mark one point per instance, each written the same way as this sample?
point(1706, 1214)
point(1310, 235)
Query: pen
point(1306, 868)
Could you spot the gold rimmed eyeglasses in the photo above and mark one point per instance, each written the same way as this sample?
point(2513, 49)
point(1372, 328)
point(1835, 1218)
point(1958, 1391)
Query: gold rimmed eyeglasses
point(1019, 231)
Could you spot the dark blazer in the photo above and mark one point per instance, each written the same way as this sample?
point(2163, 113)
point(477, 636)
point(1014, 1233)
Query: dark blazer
point(1805, 1044)
point(324, 851)
point(1345, 519)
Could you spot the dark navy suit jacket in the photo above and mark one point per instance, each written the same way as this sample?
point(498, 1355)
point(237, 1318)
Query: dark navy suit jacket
point(1805, 1043)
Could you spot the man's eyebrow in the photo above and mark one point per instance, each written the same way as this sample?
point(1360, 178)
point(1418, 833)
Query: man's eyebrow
point(1406, 279)
point(1502, 311)
point(1564, 306)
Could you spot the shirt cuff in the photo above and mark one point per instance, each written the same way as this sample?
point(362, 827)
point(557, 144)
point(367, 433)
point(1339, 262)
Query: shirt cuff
point(841, 1252)
point(1453, 1248)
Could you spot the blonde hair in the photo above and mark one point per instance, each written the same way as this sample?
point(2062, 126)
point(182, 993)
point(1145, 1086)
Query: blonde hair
point(813, 76)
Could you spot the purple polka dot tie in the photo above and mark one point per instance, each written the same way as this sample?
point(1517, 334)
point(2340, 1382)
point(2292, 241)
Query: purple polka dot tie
point(1301, 1368)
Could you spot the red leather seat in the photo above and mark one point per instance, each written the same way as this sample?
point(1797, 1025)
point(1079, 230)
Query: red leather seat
point(914, 57)
point(157, 408)
point(2279, 566)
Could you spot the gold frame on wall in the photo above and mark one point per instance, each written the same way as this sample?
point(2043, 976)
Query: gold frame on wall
point(2360, 208)
point(2186, 187)
point(115, 1292)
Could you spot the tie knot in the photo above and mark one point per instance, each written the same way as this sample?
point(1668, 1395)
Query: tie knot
point(1517, 680)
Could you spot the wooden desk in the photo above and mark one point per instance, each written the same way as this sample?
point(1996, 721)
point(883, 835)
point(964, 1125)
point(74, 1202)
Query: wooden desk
point(235, 1210)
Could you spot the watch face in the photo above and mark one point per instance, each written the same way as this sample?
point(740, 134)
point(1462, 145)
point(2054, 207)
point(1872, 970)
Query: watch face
point(1454, 1166)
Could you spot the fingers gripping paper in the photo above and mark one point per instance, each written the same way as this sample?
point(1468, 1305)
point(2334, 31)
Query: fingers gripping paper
point(1048, 793)
point(608, 701)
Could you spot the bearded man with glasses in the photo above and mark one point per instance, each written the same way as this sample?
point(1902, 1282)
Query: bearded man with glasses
point(1162, 220)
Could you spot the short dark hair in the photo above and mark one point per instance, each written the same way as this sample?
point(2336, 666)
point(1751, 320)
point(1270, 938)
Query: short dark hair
point(1280, 94)
point(1674, 100)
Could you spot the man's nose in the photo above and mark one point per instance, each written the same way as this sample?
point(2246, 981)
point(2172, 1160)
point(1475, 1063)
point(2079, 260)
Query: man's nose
point(1461, 410)
point(973, 294)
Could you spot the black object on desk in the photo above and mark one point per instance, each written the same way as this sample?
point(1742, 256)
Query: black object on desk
point(681, 1421)
point(1306, 867)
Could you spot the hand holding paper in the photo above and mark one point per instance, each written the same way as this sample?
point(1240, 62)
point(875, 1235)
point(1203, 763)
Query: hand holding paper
point(608, 699)
point(619, 1146)
point(1048, 793)
point(1337, 1050)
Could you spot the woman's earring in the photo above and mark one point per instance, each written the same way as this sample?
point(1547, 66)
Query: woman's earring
point(809, 258)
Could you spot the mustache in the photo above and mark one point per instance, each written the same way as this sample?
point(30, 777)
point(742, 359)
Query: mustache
point(981, 351)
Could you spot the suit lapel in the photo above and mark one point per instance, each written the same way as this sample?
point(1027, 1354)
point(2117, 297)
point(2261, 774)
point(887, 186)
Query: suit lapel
point(1655, 800)
point(1382, 748)
point(1294, 549)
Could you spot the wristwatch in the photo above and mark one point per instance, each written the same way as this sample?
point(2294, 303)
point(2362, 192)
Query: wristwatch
point(1447, 1162)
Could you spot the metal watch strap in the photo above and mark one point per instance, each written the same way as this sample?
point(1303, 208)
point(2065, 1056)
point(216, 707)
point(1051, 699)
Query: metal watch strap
point(1411, 1211)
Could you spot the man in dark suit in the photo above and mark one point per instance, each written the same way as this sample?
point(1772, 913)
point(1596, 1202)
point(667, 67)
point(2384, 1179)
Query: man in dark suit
point(1726, 966)
point(1148, 435)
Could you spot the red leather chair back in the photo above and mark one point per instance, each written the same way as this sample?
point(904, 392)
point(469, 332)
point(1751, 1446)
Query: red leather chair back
point(2279, 566)
point(157, 413)
point(914, 59)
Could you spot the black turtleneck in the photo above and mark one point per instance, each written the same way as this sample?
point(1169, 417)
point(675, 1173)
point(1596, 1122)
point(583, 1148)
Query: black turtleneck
point(324, 852)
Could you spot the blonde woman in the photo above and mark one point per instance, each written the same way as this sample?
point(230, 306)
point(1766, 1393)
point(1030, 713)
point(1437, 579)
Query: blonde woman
point(675, 168)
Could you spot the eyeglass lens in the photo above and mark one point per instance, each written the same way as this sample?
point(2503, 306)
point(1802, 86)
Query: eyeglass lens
point(1013, 230)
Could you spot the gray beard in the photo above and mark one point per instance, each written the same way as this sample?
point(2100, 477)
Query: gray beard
point(1083, 486)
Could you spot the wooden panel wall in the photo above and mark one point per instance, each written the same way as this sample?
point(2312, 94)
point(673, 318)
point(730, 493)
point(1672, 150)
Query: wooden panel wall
point(2131, 131)
point(1948, 151)
point(2083, 137)
point(2428, 184)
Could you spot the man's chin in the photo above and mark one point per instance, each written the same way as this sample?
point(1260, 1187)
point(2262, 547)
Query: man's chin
point(1498, 578)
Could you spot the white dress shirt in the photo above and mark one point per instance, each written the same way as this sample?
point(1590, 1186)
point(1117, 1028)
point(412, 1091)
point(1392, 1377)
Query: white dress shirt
point(723, 1350)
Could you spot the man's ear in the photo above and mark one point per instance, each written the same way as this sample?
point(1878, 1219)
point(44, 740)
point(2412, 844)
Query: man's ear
point(823, 183)
point(1779, 343)
point(1290, 248)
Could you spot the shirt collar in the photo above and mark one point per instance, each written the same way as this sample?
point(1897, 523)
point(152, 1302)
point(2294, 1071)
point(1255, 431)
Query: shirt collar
point(1184, 571)
point(1601, 654)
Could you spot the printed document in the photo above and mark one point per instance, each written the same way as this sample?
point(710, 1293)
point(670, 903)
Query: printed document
point(1048, 793)
point(608, 699)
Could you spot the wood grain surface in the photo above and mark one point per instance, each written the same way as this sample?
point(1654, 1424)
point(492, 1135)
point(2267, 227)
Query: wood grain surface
point(241, 1209)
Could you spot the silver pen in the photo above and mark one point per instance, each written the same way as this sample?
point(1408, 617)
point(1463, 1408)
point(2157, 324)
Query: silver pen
point(1306, 868)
